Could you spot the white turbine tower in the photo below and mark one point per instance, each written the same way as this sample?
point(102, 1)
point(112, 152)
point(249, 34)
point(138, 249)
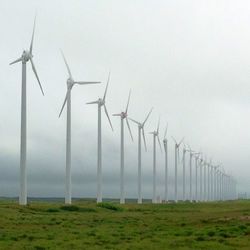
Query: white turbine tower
point(27, 55)
point(205, 180)
point(140, 131)
point(101, 102)
point(184, 173)
point(191, 154)
point(177, 146)
point(196, 177)
point(165, 143)
point(70, 84)
point(201, 194)
point(155, 135)
point(123, 115)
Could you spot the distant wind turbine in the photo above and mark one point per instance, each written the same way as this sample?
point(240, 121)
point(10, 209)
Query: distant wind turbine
point(177, 146)
point(27, 55)
point(191, 154)
point(123, 115)
point(155, 135)
point(201, 193)
point(140, 131)
point(196, 177)
point(101, 102)
point(70, 84)
point(165, 143)
point(205, 179)
point(184, 173)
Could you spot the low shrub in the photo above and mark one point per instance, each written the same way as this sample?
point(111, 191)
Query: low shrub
point(52, 210)
point(70, 208)
point(109, 206)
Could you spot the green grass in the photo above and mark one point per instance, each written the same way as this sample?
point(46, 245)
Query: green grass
point(86, 225)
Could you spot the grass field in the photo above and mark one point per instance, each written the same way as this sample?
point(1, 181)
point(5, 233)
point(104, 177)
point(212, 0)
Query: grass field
point(85, 225)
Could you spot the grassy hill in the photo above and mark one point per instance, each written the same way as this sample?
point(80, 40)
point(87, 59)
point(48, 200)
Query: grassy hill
point(86, 225)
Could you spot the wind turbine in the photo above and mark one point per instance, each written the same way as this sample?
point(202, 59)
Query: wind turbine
point(196, 177)
point(209, 180)
point(205, 180)
point(70, 83)
point(155, 135)
point(101, 103)
point(177, 146)
point(165, 143)
point(201, 162)
point(140, 131)
point(191, 154)
point(184, 173)
point(123, 115)
point(27, 55)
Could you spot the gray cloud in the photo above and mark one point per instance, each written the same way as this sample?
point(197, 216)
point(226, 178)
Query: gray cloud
point(189, 60)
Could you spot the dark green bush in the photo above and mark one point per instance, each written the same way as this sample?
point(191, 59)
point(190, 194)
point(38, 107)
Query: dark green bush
point(52, 210)
point(70, 208)
point(109, 206)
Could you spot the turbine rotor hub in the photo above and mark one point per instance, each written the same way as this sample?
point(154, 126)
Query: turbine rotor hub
point(124, 115)
point(26, 56)
point(70, 82)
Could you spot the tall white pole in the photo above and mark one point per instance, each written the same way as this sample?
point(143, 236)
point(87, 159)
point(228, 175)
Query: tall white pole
point(68, 152)
point(175, 187)
point(205, 183)
point(196, 179)
point(99, 158)
point(139, 166)
point(200, 180)
point(190, 178)
point(184, 176)
point(154, 169)
point(216, 184)
point(23, 145)
point(208, 183)
point(122, 197)
point(212, 184)
point(166, 170)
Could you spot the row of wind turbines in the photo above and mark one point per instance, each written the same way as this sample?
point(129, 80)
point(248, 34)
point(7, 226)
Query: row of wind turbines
point(215, 184)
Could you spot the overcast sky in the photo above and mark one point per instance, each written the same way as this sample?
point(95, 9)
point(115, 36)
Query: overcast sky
point(190, 60)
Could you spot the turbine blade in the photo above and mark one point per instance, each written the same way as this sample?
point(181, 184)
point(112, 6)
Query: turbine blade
point(32, 39)
point(158, 126)
point(34, 70)
point(181, 141)
point(128, 101)
point(134, 121)
point(64, 102)
point(147, 116)
point(83, 83)
point(17, 60)
point(106, 89)
point(144, 139)
point(69, 72)
point(166, 130)
point(159, 142)
point(129, 129)
point(106, 111)
point(94, 102)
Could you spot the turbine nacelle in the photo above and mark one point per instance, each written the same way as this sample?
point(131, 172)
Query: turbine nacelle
point(26, 56)
point(124, 115)
point(70, 82)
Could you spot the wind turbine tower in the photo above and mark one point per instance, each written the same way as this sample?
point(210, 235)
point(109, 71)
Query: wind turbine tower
point(124, 116)
point(101, 102)
point(26, 56)
point(140, 132)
